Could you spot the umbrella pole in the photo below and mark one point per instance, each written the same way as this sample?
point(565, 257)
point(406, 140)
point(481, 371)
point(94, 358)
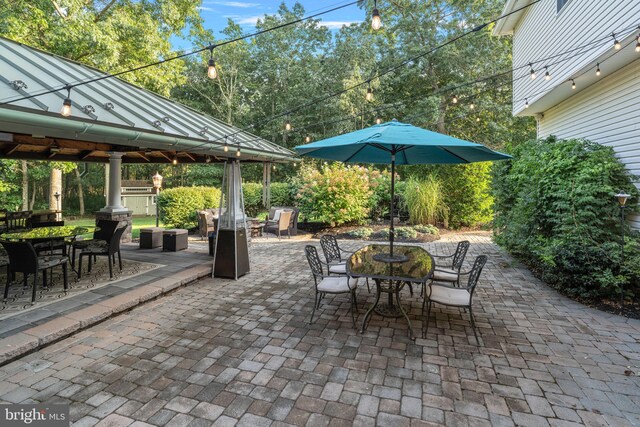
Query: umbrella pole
point(393, 189)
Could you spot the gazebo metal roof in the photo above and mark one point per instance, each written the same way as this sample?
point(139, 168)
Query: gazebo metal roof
point(107, 115)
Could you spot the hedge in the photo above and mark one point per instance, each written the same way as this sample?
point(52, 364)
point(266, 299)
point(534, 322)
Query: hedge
point(179, 206)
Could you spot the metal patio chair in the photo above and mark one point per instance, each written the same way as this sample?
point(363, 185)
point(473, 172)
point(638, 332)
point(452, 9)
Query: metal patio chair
point(454, 296)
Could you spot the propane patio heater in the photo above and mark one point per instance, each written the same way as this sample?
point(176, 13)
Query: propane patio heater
point(231, 254)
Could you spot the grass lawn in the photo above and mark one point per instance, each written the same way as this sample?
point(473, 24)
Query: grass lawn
point(138, 223)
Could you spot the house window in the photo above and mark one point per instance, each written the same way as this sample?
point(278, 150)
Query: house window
point(561, 3)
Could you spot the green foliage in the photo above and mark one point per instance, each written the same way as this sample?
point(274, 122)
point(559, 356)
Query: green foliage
point(283, 194)
point(361, 233)
point(252, 192)
point(336, 194)
point(179, 206)
point(555, 210)
point(425, 201)
point(426, 229)
point(406, 232)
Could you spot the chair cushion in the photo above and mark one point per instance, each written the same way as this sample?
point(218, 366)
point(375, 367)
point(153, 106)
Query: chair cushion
point(449, 296)
point(51, 261)
point(83, 244)
point(276, 215)
point(336, 285)
point(340, 268)
point(445, 275)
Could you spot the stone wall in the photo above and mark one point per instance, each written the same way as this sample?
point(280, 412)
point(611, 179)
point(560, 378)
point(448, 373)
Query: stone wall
point(122, 216)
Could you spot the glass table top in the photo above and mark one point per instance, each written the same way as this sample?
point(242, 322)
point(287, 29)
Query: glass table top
point(418, 267)
point(50, 232)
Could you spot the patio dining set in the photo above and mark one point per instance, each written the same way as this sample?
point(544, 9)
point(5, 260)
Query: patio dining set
point(442, 282)
point(37, 248)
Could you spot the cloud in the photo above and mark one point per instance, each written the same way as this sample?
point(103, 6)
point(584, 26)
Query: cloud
point(240, 4)
point(206, 9)
point(336, 25)
point(249, 20)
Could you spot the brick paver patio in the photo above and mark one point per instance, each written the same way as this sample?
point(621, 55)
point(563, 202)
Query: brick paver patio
point(223, 352)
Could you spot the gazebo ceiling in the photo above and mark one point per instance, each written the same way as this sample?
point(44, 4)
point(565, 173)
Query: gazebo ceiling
point(107, 115)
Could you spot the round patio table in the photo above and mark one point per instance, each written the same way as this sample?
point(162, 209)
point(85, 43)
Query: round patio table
point(390, 277)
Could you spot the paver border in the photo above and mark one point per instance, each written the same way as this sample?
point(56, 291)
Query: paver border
point(33, 339)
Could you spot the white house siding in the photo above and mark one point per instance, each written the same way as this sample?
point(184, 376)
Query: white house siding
point(543, 31)
point(606, 113)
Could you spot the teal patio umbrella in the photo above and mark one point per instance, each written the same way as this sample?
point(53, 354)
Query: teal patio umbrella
point(398, 143)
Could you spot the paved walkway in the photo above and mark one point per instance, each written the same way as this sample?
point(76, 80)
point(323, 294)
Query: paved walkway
point(223, 352)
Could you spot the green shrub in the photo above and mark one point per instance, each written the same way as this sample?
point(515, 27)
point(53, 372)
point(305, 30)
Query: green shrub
point(426, 229)
point(336, 194)
point(179, 206)
point(361, 233)
point(283, 194)
point(380, 202)
point(252, 192)
point(466, 191)
point(424, 201)
point(382, 234)
point(555, 211)
point(406, 233)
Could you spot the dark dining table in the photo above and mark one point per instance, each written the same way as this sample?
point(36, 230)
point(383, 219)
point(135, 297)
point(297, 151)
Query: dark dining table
point(390, 277)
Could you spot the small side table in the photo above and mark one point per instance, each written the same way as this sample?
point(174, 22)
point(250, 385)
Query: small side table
point(175, 239)
point(151, 237)
point(256, 228)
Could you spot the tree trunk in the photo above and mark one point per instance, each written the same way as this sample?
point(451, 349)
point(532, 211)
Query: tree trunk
point(25, 186)
point(55, 186)
point(80, 193)
point(33, 196)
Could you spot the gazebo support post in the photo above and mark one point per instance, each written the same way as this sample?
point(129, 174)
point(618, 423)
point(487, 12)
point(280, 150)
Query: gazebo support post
point(114, 209)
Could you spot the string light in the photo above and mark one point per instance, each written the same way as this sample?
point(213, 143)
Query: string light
point(547, 76)
point(526, 103)
point(598, 69)
point(369, 96)
point(238, 152)
point(212, 71)
point(307, 139)
point(66, 104)
point(273, 167)
point(472, 106)
point(287, 125)
point(532, 71)
point(376, 22)
point(378, 120)
point(477, 119)
point(454, 99)
point(573, 84)
point(616, 43)
point(208, 159)
point(175, 160)
point(226, 145)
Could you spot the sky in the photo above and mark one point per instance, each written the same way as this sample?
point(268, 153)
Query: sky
point(246, 12)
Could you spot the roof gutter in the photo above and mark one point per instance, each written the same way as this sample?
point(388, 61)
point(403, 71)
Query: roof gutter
point(16, 121)
point(507, 25)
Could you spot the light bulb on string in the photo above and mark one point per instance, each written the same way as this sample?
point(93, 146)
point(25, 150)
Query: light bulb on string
point(238, 151)
point(454, 99)
point(66, 104)
point(376, 22)
point(175, 160)
point(226, 145)
point(472, 106)
point(273, 167)
point(212, 71)
point(477, 119)
point(369, 96)
point(532, 72)
point(616, 43)
point(547, 76)
point(287, 125)
point(307, 139)
point(526, 103)
point(598, 72)
point(573, 84)
point(378, 120)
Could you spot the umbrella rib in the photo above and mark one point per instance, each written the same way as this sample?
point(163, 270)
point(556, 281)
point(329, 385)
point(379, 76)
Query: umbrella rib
point(354, 154)
point(455, 155)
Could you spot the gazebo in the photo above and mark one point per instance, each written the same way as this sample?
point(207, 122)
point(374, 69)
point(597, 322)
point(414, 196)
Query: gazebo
point(111, 121)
